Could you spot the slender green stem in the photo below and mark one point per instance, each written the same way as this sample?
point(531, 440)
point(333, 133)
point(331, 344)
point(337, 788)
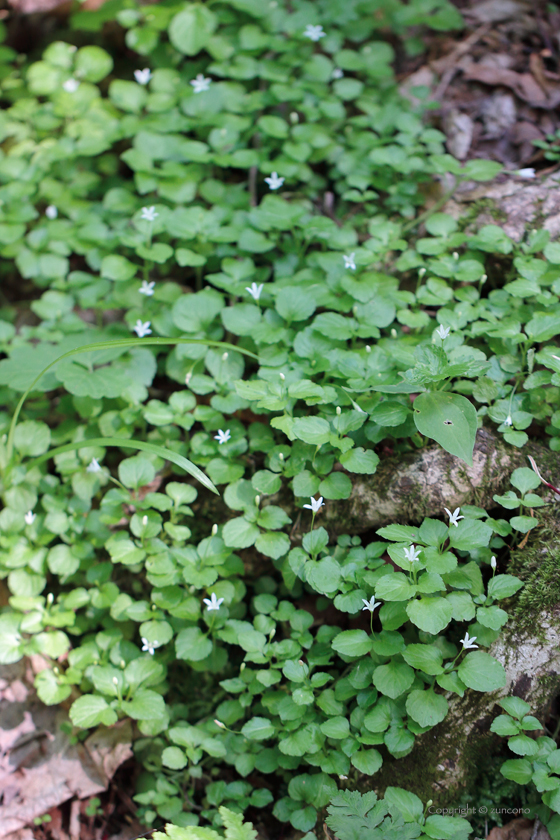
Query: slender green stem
point(426, 215)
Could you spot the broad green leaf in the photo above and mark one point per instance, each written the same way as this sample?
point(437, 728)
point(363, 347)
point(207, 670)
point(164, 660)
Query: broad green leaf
point(430, 614)
point(449, 419)
point(482, 672)
point(426, 707)
point(191, 28)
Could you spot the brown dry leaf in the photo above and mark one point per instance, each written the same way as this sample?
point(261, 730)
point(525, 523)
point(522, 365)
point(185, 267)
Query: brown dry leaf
point(39, 768)
point(520, 829)
point(524, 85)
point(493, 11)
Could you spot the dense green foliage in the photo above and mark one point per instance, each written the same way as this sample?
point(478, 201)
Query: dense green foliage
point(245, 207)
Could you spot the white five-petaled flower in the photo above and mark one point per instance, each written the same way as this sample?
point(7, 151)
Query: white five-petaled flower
point(467, 642)
point(30, 517)
point(254, 290)
point(412, 553)
point(93, 466)
point(222, 437)
point(314, 33)
point(454, 517)
point(443, 332)
point(370, 605)
point(525, 173)
point(142, 329)
point(274, 181)
point(148, 214)
point(508, 421)
point(213, 603)
point(316, 504)
point(337, 73)
point(143, 76)
point(51, 212)
point(149, 646)
point(349, 261)
point(201, 83)
point(147, 288)
point(71, 85)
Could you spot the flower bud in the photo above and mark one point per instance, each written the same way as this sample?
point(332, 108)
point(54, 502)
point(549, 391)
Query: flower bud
point(294, 117)
point(257, 501)
point(115, 681)
point(50, 599)
point(123, 664)
point(219, 723)
point(214, 530)
point(393, 332)
point(145, 520)
point(188, 377)
point(421, 272)
point(280, 456)
point(56, 670)
point(302, 663)
point(484, 278)
point(224, 356)
point(282, 377)
point(338, 410)
point(368, 348)
point(429, 803)
point(242, 667)
point(455, 255)
point(493, 562)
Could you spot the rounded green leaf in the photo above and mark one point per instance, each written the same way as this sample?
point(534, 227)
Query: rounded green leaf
point(352, 643)
point(449, 419)
point(393, 679)
point(258, 729)
point(430, 614)
point(426, 707)
point(482, 672)
point(192, 644)
point(191, 29)
point(367, 761)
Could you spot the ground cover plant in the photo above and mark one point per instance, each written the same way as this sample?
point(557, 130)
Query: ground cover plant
point(215, 262)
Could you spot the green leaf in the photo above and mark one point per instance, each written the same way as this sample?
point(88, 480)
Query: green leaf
point(392, 679)
point(515, 706)
point(405, 803)
point(258, 729)
point(359, 460)
point(191, 29)
point(91, 710)
point(449, 419)
point(352, 643)
point(192, 644)
point(482, 672)
point(517, 770)
point(239, 533)
point(430, 614)
point(174, 758)
point(336, 727)
point(503, 586)
point(426, 707)
point(337, 485)
point(143, 446)
point(427, 658)
point(367, 761)
point(313, 430)
point(469, 534)
point(525, 479)
point(136, 472)
point(145, 705)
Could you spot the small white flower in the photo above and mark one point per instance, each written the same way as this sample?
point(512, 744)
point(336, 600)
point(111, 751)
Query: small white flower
point(254, 290)
point(316, 504)
point(149, 646)
point(337, 73)
point(343, 778)
point(274, 181)
point(142, 329)
point(412, 554)
point(314, 33)
point(443, 332)
point(30, 517)
point(349, 261)
point(201, 83)
point(493, 562)
point(370, 605)
point(93, 466)
point(222, 437)
point(467, 642)
point(149, 214)
point(147, 288)
point(213, 603)
point(454, 517)
point(143, 76)
point(508, 421)
point(51, 212)
point(71, 85)
point(525, 173)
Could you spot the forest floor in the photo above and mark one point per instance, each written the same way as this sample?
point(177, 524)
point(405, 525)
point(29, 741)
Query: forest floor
point(496, 89)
